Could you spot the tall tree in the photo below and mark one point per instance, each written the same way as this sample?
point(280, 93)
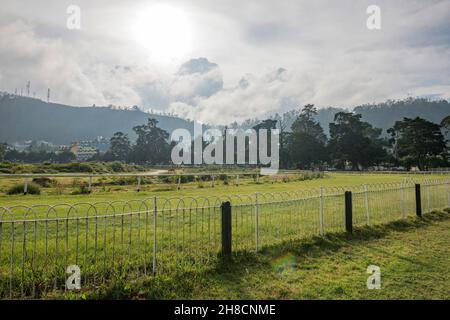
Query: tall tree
point(418, 142)
point(152, 144)
point(307, 140)
point(119, 148)
point(3, 147)
point(355, 142)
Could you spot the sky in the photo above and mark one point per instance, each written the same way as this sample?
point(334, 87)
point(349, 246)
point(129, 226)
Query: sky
point(223, 61)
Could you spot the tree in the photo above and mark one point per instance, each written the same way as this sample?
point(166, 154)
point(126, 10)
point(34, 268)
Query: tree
point(307, 140)
point(152, 144)
point(3, 147)
point(354, 141)
point(418, 142)
point(119, 147)
point(65, 157)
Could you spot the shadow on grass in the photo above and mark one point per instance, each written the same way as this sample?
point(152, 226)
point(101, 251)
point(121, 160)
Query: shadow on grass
point(230, 273)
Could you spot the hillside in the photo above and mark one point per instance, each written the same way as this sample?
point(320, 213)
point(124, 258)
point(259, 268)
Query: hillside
point(24, 118)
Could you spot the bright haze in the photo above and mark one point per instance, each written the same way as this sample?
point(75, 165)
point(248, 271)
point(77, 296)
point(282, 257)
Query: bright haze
point(224, 61)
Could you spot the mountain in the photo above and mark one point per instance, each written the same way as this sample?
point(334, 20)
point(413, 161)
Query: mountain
point(23, 118)
point(383, 115)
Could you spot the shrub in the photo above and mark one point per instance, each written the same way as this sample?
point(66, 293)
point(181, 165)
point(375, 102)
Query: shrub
point(32, 188)
point(82, 189)
point(44, 182)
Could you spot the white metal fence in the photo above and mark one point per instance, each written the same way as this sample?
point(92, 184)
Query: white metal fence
point(123, 239)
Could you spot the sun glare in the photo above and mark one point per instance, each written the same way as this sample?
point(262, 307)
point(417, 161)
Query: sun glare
point(164, 31)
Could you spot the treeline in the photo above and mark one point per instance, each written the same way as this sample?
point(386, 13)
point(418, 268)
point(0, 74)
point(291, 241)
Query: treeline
point(356, 144)
point(351, 144)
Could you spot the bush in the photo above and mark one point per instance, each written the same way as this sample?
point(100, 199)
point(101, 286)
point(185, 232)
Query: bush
point(44, 182)
point(82, 189)
point(32, 188)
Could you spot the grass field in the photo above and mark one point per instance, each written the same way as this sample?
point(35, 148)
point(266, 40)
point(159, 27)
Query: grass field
point(244, 186)
point(413, 255)
point(118, 240)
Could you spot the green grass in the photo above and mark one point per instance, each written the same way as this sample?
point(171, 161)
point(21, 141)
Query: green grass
point(100, 246)
point(246, 186)
point(414, 257)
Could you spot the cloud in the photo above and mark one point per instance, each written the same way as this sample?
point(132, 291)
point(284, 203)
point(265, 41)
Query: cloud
point(249, 60)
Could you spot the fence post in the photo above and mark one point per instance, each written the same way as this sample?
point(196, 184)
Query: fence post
point(179, 183)
point(212, 185)
point(155, 210)
point(321, 211)
point(418, 201)
point(25, 188)
point(402, 200)
point(428, 196)
point(226, 229)
point(139, 184)
point(256, 221)
point(90, 184)
point(448, 193)
point(348, 212)
point(366, 191)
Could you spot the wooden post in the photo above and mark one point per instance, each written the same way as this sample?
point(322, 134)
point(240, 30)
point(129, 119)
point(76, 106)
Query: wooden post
point(348, 212)
point(418, 201)
point(226, 229)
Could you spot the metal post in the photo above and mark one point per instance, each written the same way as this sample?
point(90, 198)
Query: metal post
point(402, 200)
point(256, 221)
point(348, 212)
point(366, 191)
point(90, 184)
point(418, 201)
point(321, 212)
point(448, 193)
point(179, 183)
point(139, 184)
point(226, 229)
point(25, 188)
point(155, 210)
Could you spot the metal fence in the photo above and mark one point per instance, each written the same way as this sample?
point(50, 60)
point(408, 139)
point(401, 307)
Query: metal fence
point(124, 239)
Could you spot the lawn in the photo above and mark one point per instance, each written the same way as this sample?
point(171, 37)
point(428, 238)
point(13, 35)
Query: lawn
point(167, 190)
point(124, 240)
point(413, 256)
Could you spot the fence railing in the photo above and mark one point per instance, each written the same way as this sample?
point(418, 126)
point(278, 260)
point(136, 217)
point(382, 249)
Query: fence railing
point(121, 239)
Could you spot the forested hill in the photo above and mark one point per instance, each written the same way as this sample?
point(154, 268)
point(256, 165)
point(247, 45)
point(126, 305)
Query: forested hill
point(384, 115)
point(24, 119)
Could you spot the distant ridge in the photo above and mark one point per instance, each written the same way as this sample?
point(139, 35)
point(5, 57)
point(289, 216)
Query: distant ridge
point(23, 118)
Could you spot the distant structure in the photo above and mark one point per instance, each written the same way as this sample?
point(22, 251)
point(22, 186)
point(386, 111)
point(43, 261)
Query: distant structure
point(48, 95)
point(28, 88)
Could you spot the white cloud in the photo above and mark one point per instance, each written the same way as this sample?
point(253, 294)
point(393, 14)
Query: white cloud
point(328, 56)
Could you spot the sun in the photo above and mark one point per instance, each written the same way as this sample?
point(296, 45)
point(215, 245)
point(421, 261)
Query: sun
point(164, 31)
